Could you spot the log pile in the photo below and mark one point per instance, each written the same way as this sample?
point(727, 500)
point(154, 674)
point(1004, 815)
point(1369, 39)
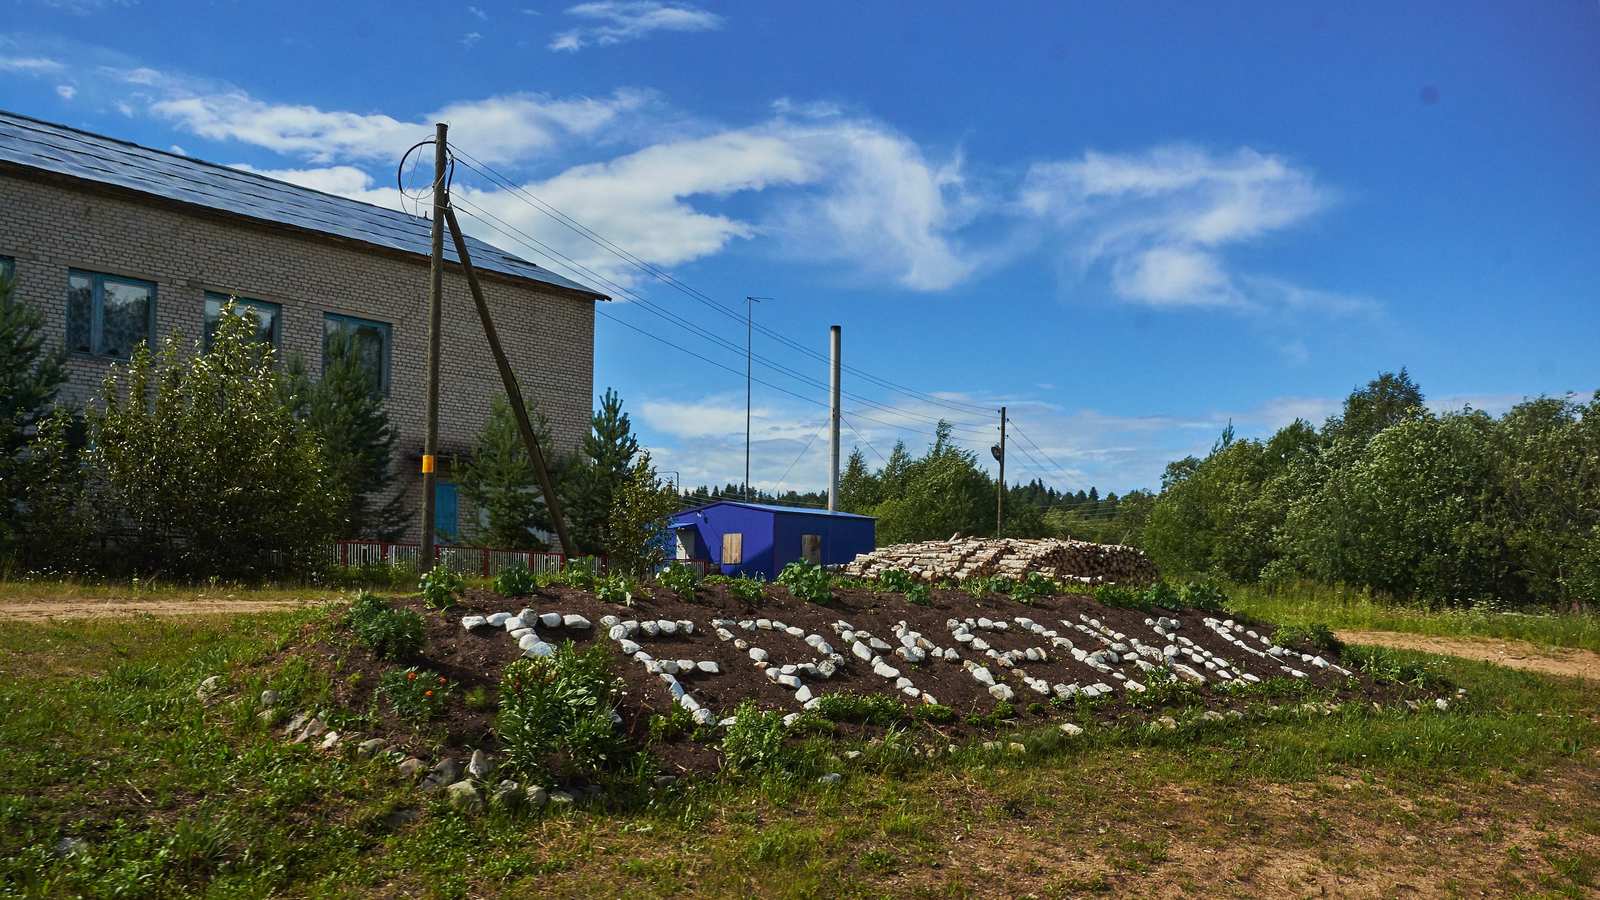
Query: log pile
point(1073, 562)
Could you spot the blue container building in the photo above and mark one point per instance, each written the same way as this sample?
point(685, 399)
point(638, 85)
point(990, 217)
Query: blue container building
point(758, 539)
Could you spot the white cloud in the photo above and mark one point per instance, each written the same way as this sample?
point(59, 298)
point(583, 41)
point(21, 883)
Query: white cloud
point(473, 10)
point(30, 65)
point(616, 21)
point(498, 129)
point(1161, 221)
point(66, 91)
point(470, 39)
point(347, 181)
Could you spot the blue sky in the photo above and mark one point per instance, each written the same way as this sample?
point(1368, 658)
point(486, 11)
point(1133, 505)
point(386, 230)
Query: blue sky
point(1130, 223)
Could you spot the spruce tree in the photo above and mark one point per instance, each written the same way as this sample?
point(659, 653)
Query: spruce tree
point(607, 460)
point(345, 410)
point(500, 481)
point(29, 378)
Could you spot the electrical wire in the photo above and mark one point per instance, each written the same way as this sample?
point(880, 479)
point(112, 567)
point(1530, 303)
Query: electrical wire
point(656, 272)
point(477, 212)
point(803, 450)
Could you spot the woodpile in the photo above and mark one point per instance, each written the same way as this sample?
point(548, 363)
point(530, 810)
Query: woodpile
point(1073, 562)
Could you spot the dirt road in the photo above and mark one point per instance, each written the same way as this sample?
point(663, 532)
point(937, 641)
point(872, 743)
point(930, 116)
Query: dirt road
point(1510, 653)
point(47, 610)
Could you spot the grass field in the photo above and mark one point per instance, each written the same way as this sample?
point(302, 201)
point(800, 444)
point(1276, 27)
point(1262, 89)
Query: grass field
point(104, 741)
point(1347, 609)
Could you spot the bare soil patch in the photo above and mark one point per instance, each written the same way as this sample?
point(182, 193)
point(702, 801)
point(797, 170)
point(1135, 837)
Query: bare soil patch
point(1513, 654)
point(473, 661)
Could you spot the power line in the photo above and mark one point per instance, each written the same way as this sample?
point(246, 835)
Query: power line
point(862, 438)
point(809, 441)
point(489, 219)
point(662, 275)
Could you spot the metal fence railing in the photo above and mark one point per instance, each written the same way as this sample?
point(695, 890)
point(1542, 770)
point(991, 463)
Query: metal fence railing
point(482, 561)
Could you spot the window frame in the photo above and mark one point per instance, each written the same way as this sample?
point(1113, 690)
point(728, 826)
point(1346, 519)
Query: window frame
point(388, 344)
point(222, 299)
point(97, 283)
point(8, 269)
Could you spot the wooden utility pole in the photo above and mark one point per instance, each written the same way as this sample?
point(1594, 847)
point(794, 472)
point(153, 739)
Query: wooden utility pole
point(519, 409)
point(833, 418)
point(430, 446)
point(1000, 492)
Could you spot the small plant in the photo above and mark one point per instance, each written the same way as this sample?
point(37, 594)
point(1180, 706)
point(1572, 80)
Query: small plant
point(919, 594)
point(479, 698)
point(671, 725)
point(896, 581)
point(561, 706)
point(1033, 586)
point(807, 581)
point(681, 580)
point(868, 709)
point(1164, 595)
point(441, 587)
point(937, 713)
point(1317, 637)
point(515, 581)
point(617, 589)
point(1121, 596)
point(1204, 596)
point(392, 634)
point(1385, 664)
point(579, 572)
point(415, 694)
point(749, 591)
point(755, 742)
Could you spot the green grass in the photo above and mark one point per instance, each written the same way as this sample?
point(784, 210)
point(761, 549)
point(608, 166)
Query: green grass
point(1347, 609)
point(62, 589)
point(104, 740)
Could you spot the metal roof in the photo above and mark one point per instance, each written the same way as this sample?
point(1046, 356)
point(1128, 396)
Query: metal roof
point(772, 508)
point(60, 150)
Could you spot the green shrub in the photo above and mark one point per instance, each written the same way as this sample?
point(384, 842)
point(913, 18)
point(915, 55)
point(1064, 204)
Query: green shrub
point(617, 589)
point(441, 587)
point(1385, 664)
point(746, 589)
point(937, 713)
point(809, 582)
point(515, 581)
point(681, 580)
point(756, 741)
point(671, 725)
point(579, 572)
point(1203, 595)
point(919, 594)
point(558, 710)
point(1033, 586)
point(868, 709)
point(1121, 596)
point(1317, 637)
point(1164, 595)
point(392, 634)
point(896, 581)
point(414, 693)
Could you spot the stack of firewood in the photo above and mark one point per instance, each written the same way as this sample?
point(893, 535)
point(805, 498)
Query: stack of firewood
point(1078, 562)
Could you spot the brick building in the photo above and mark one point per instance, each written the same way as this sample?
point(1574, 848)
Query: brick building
point(118, 244)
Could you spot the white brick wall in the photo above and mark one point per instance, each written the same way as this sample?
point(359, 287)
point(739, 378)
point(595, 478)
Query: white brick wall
point(50, 227)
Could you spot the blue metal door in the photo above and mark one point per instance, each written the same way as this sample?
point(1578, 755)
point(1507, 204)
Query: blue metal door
point(445, 504)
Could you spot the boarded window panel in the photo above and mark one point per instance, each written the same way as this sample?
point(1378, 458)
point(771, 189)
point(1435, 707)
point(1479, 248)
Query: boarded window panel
point(811, 548)
point(732, 548)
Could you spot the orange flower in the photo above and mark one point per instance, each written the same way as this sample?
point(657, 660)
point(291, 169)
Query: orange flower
point(427, 693)
point(411, 676)
point(441, 679)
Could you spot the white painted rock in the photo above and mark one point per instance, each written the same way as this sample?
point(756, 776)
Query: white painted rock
point(575, 622)
point(471, 622)
point(498, 619)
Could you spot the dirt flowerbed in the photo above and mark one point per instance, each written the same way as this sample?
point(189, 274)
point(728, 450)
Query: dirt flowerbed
point(1059, 658)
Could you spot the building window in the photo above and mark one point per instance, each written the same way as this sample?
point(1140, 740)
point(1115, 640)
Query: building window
point(8, 269)
point(108, 315)
point(368, 340)
point(811, 548)
point(267, 316)
point(446, 510)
